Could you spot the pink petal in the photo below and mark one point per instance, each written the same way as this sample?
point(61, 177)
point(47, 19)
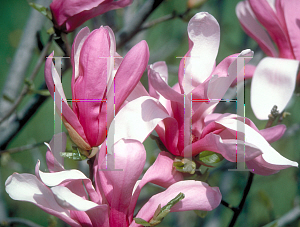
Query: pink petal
point(198, 196)
point(69, 14)
point(50, 76)
point(273, 83)
point(68, 200)
point(76, 48)
point(267, 17)
point(274, 133)
point(142, 116)
point(56, 178)
point(26, 187)
point(204, 35)
point(130, 157)
point(161, 173)
point(128, 75)
point(98, 214)
point(159, 84)
point(91, 84)
point(220, 83)
point(269, 154)
point(244, 74)
point(253, 28)
point(54, 159)
point(292, 18)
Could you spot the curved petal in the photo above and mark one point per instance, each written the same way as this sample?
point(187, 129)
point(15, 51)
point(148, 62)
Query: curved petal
point(118, 184)
point(268, 18)
point(128, 75)
point(68, 200)
point(57, 145)
point(221, 81)
point(51, 75)
point(159, 84)
point(26, 187)
point(274, 133)
point(161, 173)
point(244, 75)
point(142, 116)
point(54, 179)
point(198, 196)
point(273, 83)
point(68, 15)
point(98, 214)
point(197, 65)
point(292, 18)
point(269, 154)
point(90, 86)
point(253, 28)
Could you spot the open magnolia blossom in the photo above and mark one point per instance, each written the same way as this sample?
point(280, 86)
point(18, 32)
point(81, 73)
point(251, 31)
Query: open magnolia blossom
point(70, 14)
point(183, 115)
point(101, 82)
point(275, 77)
point(71, 196)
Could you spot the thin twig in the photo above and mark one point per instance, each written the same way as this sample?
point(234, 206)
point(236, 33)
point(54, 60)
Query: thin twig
point(31, 78)
point(22, 148)
point(11, 221)
point(238, 210)
point(163, 19)
point(132, 28)
point(22, 58)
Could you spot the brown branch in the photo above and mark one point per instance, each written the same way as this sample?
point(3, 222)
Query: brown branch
point(31, 78)
point(134, 25)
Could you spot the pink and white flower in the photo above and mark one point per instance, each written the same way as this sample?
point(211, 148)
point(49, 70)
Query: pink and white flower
point(187, 128)
point(70, 14)
point(101, 81)
point(70, 196)
point(268, 23)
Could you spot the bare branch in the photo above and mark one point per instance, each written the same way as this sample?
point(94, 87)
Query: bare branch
point(22, 59)
point(289, 217)
point(31, 78)
point(22, 148)
point(133, 27)
point(11, 221)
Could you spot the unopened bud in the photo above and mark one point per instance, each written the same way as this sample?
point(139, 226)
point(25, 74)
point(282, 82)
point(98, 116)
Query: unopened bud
point(195, 3)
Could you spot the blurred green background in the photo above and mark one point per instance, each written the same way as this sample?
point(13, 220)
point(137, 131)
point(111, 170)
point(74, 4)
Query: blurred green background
point(270, 197)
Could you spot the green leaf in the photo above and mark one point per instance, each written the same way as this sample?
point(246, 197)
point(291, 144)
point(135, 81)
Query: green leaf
point(209, 157)
point(141, 222)
point(157, 218)
point(42, 9)
point(272, 224)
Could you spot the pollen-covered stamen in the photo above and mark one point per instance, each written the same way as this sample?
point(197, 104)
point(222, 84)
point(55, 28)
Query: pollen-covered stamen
point(193, 138)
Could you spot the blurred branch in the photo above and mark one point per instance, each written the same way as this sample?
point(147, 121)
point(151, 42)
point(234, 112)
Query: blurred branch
point(21, 59)
point(16, 121)
point(11, 221)
point(289, 217)
point(22, 148)
point(133, 27)
point(31, 78)
point(163, 19)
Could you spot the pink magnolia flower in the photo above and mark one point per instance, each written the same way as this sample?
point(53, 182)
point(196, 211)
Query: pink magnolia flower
point(275, 77)
point(101, 81)
point(70, 14)
point(187, 128)
point(111, 203)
